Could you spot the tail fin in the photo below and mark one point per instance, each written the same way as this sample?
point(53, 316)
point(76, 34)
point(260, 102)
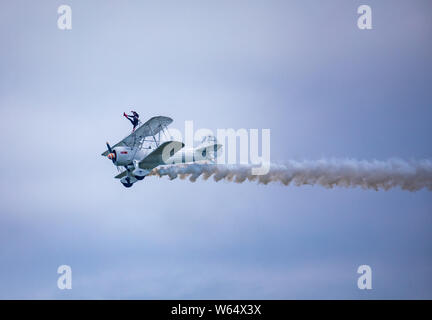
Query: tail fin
point(208, 141)
point(208, 148)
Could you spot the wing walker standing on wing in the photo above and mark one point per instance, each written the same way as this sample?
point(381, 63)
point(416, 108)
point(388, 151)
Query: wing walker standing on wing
point(134, 119)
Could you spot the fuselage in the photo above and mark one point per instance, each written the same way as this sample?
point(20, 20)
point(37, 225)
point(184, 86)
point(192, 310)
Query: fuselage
point(130, 159)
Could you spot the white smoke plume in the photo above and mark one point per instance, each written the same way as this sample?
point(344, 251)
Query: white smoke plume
point(384, 175)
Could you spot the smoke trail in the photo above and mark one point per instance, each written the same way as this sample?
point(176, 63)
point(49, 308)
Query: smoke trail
point(408, 175)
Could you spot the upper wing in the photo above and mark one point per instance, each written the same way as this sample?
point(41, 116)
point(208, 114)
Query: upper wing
point(150, 128)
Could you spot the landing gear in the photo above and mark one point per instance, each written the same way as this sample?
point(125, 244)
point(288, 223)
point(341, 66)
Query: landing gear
point(139, 173)
point(127, 182)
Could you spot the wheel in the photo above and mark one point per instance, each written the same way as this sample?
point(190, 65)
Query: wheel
point(139, 177)
point(127, 185)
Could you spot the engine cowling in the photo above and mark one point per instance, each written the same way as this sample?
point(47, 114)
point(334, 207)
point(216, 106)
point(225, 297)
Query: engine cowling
point(123, 156)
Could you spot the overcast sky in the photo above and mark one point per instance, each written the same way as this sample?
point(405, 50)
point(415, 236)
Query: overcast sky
point(300, 68)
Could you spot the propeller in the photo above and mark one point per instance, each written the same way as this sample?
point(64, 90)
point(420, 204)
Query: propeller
point(112, 154)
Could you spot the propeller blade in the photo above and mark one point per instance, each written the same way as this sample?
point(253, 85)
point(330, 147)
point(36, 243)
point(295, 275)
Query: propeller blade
point(109, 147)
point(111, 154)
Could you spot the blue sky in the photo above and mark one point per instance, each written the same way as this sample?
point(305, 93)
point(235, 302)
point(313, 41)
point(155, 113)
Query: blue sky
point(301, 68)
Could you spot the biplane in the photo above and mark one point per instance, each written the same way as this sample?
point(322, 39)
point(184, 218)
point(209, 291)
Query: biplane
point(145, 149)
